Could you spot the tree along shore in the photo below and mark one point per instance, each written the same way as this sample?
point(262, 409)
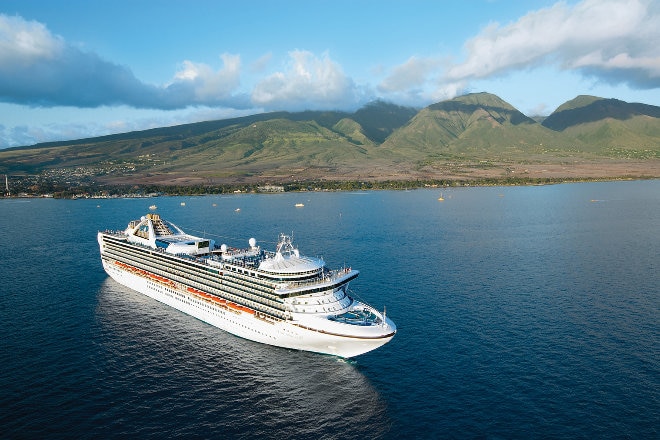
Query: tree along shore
point(133, 190)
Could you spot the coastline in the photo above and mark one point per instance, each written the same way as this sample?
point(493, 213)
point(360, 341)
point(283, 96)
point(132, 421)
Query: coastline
point(328, 185)
point(482, 173)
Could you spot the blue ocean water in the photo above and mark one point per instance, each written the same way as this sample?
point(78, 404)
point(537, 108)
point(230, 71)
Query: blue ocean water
point(522, 312)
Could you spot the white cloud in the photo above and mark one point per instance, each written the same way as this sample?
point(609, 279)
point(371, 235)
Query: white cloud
point(207, 84)
point(40, 69)
point(610, 39)
point(308, 82)
point(413, 73)
point(24, 42)
point(614, 42)
point(448, 90)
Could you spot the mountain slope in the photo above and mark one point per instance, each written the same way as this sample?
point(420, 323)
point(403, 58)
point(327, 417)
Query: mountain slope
point(380, 119)
point(380, 139)
point(609, 126)
point(260, 141)
point(269, 145)
point(585, 109)
point(475, 125)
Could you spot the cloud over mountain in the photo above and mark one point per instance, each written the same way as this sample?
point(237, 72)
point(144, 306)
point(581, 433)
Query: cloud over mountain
point(308, 82)
point(611, 40)
point(38, 68)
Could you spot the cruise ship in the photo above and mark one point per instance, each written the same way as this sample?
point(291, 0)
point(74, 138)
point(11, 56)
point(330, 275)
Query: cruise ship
point(279, 297)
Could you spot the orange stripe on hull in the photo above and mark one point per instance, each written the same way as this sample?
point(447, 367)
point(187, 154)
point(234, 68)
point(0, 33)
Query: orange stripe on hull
point(192, 290)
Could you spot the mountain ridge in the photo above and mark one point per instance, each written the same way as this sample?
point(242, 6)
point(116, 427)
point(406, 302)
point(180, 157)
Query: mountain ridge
point(379, 141)
point(585, 109)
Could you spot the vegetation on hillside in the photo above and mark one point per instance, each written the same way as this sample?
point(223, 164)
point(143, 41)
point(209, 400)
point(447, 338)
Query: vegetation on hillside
point(379, 142)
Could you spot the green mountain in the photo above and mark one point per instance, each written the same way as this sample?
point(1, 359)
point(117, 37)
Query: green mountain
point(380, 119)
point(585, 109)
point(234, 146)
point(479, 125)
point(380, 139)
point(604, 126)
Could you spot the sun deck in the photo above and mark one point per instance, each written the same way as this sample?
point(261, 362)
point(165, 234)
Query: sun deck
point(357, 317)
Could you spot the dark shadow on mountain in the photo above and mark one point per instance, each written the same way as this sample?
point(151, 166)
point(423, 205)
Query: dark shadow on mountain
point(500, 114)
point(380, 119)
point(599, 110)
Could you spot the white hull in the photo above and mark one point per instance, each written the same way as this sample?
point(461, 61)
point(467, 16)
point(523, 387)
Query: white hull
point(291, 334)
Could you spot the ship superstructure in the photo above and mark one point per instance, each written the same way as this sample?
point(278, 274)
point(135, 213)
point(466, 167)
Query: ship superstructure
point(276, 297)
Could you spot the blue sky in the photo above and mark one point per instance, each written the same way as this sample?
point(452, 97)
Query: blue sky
point(74, 69)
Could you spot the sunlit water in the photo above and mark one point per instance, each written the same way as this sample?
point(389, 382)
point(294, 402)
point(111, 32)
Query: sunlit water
point(522, 312)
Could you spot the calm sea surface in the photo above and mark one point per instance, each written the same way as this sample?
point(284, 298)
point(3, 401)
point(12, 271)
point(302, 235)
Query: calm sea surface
point(522, 312)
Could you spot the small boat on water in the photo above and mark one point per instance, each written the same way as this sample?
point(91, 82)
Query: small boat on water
point(299, 205)
point(153, 207)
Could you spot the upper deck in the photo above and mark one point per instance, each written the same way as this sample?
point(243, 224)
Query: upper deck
point(288, 272)
point(155, 232)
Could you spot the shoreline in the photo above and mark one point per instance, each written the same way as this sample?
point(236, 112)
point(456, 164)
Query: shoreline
point(77, 182)
point(95, 192)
